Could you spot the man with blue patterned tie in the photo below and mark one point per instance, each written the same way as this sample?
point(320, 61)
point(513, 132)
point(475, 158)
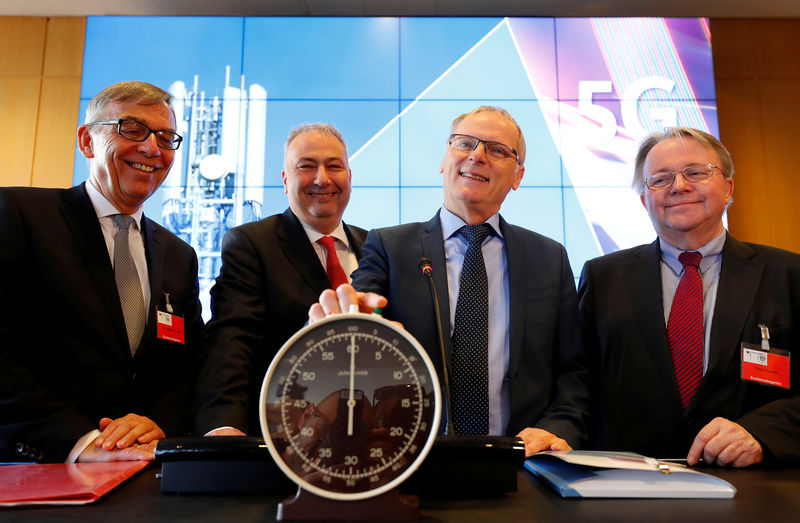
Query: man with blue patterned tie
point(673, 328)
point(507, 295)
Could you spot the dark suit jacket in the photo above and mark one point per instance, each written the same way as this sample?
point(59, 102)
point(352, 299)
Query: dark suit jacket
point(622, 316)
point(269, 278)
point(64, 355)
point(547, 373)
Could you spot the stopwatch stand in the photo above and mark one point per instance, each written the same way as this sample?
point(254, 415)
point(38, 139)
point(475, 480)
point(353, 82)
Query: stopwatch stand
point(391, 505)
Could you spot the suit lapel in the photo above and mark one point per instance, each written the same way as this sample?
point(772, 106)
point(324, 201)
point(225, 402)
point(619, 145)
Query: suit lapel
point(296, 247)
point(739, 280)
point(355, 243)
point(518, 274)
point(644, 281)
point(433, 248)
point(81, 219)
point(156, 261)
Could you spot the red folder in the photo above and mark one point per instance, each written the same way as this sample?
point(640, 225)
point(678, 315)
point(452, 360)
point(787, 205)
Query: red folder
point(62, 483)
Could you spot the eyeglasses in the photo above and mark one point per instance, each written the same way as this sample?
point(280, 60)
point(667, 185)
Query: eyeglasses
point(466, 144)
point(139, 132)
point(690, 173)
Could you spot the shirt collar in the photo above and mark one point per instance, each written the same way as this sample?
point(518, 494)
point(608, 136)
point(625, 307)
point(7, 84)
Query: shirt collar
point(314, 235)
point(712, 252)
point(105, 208)
point(452, 223)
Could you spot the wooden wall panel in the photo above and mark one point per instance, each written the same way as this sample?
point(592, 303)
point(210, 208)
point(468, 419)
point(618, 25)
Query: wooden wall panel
point(55, 134)
point(732, 46)
point(21, 59)
point(64, 47)
point(777, 44)
point(60, 102)
point(757, 70)
point(739, 104)
point(21, 45)
point(19, 105)
point(781, 113)
point(41, 61)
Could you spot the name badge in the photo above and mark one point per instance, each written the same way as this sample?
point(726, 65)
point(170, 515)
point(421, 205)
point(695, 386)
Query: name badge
point(170, 327)
point(770, 367)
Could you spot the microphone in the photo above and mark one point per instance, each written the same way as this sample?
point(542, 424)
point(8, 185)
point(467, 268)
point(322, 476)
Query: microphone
point(426, 268)
point(473, 464)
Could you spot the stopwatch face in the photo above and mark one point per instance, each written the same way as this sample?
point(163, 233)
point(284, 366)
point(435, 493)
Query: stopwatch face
point(350, 406)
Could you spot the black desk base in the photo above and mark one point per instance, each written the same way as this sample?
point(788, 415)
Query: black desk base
point(763, 495)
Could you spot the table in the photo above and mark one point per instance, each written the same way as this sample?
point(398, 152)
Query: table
point(763, 495)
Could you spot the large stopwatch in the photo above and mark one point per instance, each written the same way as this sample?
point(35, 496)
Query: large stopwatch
point(350, 406)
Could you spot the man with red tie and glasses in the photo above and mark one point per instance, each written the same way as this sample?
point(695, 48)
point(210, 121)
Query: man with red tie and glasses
point(691, 336)
point(272, 270)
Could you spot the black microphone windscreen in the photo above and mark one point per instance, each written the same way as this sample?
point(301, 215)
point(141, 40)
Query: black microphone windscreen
point(425, 266)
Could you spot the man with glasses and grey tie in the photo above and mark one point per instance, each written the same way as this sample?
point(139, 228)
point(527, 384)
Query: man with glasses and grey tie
point(272, 269)
point(99, 312)
point(690, 337)
point(507, 296)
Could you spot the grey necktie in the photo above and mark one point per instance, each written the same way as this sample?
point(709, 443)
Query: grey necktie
point(129, 286)
point(470, 379)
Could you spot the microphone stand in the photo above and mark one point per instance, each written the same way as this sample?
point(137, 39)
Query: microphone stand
point(473, 465)
point(427, 270)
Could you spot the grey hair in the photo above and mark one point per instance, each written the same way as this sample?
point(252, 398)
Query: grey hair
point(323, 128)
point(141, 93)
point(678, 133)
point(502, 112)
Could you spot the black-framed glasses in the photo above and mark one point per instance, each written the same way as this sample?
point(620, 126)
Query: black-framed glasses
point(466, 144)
point(139, 132)
point(690, 173)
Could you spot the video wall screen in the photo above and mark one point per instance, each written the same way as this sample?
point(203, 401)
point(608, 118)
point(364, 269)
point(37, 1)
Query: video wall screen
point(584, 90)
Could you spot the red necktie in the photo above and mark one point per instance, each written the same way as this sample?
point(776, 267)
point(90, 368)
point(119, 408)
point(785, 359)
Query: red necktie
point(685, 327)
point(334, 269)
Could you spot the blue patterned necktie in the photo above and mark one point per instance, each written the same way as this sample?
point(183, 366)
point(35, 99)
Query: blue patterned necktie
point(470, 380)
point(129, 287)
